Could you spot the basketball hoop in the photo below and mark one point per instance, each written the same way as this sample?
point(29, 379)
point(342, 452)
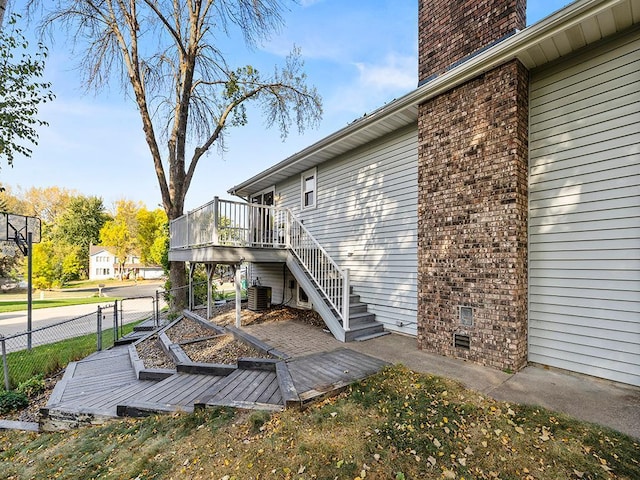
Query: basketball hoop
point(16, 228)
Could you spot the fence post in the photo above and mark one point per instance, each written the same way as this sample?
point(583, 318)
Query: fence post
point(5, 365)
point(99, 346)
point(115, 321)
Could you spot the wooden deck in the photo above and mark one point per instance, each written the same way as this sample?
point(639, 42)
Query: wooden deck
point(105, 385)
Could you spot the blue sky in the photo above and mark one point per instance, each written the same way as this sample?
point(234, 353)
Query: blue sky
point(359, 54)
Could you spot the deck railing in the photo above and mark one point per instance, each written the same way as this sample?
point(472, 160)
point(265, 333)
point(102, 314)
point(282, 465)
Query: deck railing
point(237, 224)
point(230, 224)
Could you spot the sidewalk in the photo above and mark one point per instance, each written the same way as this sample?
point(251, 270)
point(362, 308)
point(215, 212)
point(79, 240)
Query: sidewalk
point(587, 398)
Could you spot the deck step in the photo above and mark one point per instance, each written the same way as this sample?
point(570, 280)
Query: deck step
point(371, 336)
point(361, 318)
point(363, 330)
point(132, 337)
point(358, 307)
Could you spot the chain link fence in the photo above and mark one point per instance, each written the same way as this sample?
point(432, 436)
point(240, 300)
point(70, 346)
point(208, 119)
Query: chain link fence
point(48, 349)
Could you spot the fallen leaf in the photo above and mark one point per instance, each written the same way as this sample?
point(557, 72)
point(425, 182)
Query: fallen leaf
point(519, 430)
point(437, 443)
point(301, 469)
point(449, 474)
point(431, 460)
point(578, 474)
point(462, 461)
point(468, 451)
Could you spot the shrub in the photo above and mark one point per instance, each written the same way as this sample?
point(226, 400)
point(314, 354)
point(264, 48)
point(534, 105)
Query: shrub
point(10, 401)
point(32, 387)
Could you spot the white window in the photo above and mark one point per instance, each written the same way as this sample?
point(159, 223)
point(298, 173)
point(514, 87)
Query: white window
point(309, 189)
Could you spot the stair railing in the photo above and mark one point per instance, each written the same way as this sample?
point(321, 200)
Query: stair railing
point(332, 280)
point(240, 224)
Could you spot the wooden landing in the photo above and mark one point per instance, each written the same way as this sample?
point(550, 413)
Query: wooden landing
point(104, 386)
point(327, 373)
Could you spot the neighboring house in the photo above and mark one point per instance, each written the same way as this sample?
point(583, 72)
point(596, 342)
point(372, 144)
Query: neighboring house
point(104, 265)
point(493, 212)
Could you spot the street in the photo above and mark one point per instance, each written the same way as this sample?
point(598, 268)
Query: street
point(139, 299)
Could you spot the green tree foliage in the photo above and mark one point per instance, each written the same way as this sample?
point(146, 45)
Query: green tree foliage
point(79, 225)
point(43, 264)
point(21, 92)
point(134, 230)
point(116, 235)
point(151, 235)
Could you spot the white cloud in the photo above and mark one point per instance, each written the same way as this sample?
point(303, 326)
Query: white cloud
point(396, 73)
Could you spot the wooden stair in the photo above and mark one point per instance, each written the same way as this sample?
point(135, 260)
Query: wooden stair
point(362, 323)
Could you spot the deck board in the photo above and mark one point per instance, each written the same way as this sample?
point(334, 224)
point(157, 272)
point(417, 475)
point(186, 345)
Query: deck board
point(105, 384)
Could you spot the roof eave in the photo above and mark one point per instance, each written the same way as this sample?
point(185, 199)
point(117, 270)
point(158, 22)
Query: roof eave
point(511, 48)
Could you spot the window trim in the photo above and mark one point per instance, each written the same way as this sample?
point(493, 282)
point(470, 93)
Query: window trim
point(309, 173)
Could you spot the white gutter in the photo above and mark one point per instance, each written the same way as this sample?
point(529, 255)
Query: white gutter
point(489, 59)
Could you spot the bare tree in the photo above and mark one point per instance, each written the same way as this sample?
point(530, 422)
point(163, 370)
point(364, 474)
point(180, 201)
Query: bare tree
point(186, 92)
point(3, 8)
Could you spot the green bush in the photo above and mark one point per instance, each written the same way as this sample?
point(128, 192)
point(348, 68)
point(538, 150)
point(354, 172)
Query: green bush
point(32, 387)
point(10, 401)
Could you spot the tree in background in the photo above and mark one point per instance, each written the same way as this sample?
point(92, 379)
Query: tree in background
point(187, 92)
point(115, 234)
point(152, 235)
point(47, 203)
point(70, 223)
point(79, 225)
point(20, 92)
point(134, 230)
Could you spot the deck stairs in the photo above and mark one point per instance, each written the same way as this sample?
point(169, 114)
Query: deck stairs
point(362, 323)
point(105, 385)
point(139, 331)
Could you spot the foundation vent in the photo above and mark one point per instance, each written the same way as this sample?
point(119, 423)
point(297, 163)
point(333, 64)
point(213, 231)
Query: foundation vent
point(461, 341)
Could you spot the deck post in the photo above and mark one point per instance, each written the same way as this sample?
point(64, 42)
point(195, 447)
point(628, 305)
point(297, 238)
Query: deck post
point(236, 274)
point(211, 268)
point(192, 267)
point(216, 221)
point(345, 300)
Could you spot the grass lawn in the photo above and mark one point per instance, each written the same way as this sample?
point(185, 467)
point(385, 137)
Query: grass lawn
point(51, 358)
point(18, 305)
point(396, 425)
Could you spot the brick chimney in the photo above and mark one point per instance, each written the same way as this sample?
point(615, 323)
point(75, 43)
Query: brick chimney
point(452, 30)
point(472, 189)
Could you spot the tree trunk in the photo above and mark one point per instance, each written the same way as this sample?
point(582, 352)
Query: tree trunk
point(178, 279)
point(3, 8)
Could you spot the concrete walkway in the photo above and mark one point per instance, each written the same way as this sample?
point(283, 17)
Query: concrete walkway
point(586, 398)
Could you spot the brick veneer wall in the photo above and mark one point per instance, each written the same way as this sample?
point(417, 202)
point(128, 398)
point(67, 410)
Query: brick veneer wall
point(472, 218)
point(450, 30)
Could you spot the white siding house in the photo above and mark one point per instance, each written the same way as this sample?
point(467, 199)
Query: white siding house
point(356, 192)
point(584, 207)
point(102, 263)
point(365, 217)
